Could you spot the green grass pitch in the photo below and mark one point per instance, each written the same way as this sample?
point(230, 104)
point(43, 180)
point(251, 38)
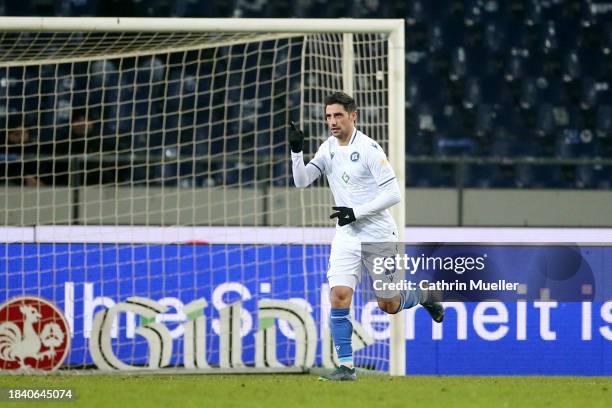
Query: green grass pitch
point(293, 390)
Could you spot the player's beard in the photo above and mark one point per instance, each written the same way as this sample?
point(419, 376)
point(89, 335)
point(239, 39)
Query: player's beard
point(339, 134)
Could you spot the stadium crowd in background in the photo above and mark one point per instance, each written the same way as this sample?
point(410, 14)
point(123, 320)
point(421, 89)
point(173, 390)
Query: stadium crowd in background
point(484, 79)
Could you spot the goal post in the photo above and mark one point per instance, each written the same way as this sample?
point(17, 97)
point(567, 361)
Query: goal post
point(180, 214)
point(397, 135)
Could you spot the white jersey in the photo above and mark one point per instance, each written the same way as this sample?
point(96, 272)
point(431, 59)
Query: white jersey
point(356, 174)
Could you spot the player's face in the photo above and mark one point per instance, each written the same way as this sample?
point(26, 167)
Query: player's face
point(339, 121)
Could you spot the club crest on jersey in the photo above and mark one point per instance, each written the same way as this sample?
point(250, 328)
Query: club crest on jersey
point(354, 156)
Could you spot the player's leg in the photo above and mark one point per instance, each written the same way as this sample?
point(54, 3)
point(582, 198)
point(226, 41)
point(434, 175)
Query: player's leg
point(409, 298)
point(393, 301)
point(340, 321)
point(341, 326)
point(403, 300)
point(343, 276)
point(432, 305)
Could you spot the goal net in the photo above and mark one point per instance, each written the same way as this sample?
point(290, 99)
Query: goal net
point(147, 191)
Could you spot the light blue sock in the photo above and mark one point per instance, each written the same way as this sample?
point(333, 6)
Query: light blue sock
point(409, 298)
point(342, 331)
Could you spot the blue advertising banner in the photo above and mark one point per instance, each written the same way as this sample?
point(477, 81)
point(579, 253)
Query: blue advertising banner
point(479, 336)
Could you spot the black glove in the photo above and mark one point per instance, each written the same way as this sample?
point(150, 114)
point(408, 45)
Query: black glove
point(345, 215)
point(296, 138)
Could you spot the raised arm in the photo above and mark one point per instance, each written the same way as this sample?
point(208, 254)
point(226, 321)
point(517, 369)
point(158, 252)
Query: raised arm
point(303, 174)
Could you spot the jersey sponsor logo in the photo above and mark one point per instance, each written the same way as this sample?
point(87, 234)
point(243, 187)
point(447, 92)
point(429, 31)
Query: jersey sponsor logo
point(345, 177)
point(332, 155)
point(374, 145)
point(354, 156)
point(33, 335)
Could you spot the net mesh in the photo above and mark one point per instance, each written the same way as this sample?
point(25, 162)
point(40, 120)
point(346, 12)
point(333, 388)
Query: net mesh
point(156, 165)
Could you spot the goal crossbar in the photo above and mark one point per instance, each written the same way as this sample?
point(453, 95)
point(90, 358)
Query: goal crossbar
point(243, 25)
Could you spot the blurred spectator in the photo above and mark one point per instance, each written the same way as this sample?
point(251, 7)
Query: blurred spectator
point(19, 150)
point(86, 138)
point(84, 131)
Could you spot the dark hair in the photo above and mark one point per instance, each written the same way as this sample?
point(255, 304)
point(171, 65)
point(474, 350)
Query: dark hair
point(343, 99)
